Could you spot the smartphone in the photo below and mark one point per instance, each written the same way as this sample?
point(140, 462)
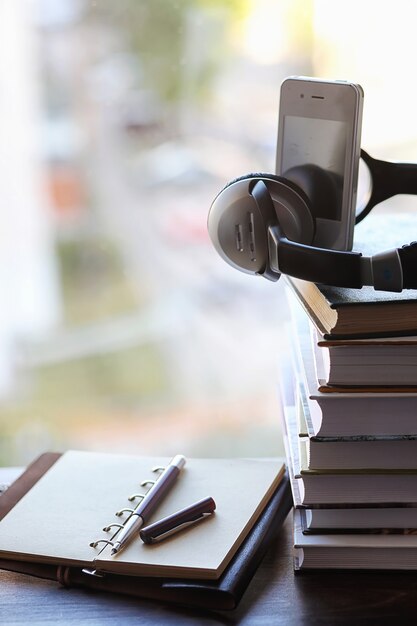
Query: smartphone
point(319, 140)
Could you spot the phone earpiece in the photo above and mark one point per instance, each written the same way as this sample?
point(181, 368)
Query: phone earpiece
point(244, 210)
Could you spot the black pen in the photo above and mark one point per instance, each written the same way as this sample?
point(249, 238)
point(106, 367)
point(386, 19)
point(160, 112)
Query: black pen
point(149, 503)
point(171, 524)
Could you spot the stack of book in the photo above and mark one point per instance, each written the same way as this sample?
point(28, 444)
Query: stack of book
point(350, 427)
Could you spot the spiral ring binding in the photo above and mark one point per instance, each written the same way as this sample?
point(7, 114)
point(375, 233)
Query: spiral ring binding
point(125, 510)
point(110, 526)
point(94, 544)
point(132, 498)
point(147, 482)
point(135, 496)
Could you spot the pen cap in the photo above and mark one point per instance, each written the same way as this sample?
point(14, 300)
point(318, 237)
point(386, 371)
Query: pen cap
point(178, 520)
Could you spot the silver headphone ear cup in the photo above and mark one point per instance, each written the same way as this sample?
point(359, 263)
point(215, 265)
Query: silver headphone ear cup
point(292, 205)
point(238, 227)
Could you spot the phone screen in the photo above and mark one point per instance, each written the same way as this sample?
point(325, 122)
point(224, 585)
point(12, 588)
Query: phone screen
point(322, 143)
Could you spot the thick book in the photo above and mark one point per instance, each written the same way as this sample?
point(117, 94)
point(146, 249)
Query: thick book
point(365, 519)
point(344, 313)
point(343, 486)
point(348, 413)
point(343, 517)
point(387, 362)
point(371, 364)
point(58, 552)
point(381, 551)
point(353, 452)
point(341, 411)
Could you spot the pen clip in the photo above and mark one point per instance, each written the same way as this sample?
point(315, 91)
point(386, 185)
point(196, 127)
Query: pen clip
point(177, 529)
point(178, 521)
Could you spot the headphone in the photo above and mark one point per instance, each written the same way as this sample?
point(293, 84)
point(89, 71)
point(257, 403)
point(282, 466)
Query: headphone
point(263, 224)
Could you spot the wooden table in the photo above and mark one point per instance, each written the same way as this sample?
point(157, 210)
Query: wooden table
point(275, 596)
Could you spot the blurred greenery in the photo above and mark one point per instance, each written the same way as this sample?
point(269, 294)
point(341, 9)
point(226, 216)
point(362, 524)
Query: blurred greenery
point(93, 281)
point(156, 32)
point(70, 395)
point(135, 375)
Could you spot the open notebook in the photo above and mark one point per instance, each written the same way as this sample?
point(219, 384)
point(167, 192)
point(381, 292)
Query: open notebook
point(55, 522)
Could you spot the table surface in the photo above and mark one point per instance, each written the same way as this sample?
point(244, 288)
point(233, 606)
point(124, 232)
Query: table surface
point(275, 596)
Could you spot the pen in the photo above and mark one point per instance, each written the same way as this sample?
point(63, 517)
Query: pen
point(177, 521)
point(149, 503)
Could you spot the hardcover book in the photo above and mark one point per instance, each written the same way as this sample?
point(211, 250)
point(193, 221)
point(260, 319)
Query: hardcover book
point(345, 313)
point(342, 486)
point(345, 411)
point(379, 519)
point(387, 362)
point(348, 517)
point(352, 452)
point(394, 551)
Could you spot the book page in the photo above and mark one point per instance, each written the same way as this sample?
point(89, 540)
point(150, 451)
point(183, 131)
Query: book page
point(56, 521)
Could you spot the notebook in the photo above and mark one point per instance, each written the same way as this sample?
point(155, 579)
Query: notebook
point(66, 510)
point(223, 593)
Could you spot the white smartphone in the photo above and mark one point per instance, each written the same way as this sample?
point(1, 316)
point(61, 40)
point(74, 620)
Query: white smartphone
point(319, 141)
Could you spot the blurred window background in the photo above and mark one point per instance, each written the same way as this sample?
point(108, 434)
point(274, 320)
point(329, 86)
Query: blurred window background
point(120, 327)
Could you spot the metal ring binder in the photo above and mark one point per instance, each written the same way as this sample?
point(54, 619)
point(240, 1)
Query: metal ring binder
point(125, 510)
point(132, 498)
point(94, 544)
point(135, 496)
point(110, 526)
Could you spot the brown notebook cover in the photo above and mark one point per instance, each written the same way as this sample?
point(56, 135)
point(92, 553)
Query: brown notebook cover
point(224, 593)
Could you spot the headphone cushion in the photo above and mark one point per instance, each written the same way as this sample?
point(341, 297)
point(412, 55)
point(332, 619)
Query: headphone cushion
point(292, 207)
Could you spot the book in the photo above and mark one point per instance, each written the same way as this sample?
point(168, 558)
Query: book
point(223, 592)
point(357, 412)
point(343, 486)
point(371, 364)
point(345, 313)
point(361, 519)
point(342, 313)
point(353, 551)
point(354, 517)
point(87, 489)
point(341, 411)
point(353, 452)
point(389, 362)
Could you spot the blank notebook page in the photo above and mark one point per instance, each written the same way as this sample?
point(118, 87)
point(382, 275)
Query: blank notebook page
point(67, 509)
